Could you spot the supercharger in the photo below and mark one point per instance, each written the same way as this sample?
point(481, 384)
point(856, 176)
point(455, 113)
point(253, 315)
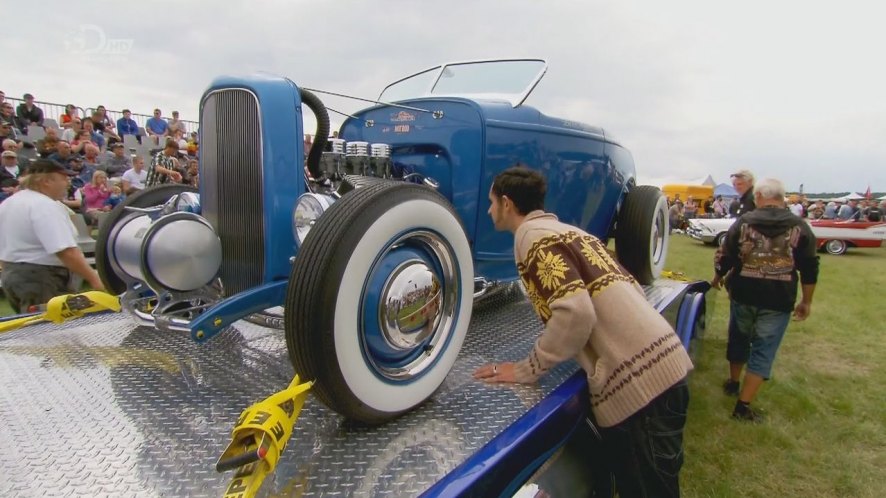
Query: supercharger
point(169, 256)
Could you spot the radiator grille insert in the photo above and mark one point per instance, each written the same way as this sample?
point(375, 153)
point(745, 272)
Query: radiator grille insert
point(231, 184)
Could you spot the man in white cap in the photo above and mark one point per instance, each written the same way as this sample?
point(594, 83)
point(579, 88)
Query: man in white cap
point(40, 261)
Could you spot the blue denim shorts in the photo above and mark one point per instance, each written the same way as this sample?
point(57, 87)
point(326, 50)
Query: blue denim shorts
point(754, 336)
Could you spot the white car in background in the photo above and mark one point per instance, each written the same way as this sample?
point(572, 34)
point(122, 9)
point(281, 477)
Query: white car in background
point(711, 231)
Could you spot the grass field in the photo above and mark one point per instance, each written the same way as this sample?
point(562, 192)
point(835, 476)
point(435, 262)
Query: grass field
point(826, 404)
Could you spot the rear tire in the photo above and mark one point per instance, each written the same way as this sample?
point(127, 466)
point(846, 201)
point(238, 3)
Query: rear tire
point(721, 238)
point(148, 197)
point(379, 300)
point(641, 235)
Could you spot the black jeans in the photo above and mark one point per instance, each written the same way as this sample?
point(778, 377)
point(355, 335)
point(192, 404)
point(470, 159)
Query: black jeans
point(28, 284)
point(645, 451)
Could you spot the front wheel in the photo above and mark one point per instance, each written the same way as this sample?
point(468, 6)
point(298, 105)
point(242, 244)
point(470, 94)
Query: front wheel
point(379, 300)
point(641, 233)
point(835, 247)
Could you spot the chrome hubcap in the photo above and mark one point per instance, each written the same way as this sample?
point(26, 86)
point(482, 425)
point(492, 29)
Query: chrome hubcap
point(411, 305)
point(410, 320)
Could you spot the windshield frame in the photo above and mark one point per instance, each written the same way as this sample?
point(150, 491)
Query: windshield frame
point(438, 71)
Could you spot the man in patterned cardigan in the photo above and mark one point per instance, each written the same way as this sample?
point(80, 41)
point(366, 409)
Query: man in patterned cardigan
point(596, 313)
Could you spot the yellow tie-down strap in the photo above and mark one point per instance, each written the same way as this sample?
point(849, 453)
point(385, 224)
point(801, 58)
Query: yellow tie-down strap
point(62, 308)
point(259, 437)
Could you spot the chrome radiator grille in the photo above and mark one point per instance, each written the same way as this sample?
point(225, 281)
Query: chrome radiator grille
point(231, 184)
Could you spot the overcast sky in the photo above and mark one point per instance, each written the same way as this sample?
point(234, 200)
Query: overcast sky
point(793, 90)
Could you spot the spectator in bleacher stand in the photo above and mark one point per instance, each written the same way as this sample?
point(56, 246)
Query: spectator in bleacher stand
point(7, 114)
point(106, 121)
point(75, 126)
point(8, 187)
point(63, 155)
point(83, 138)
point(48, 145)
point(176, 125)
point(39, 261)
point(7, 131)
point(117, 163)
point(67, 119)
point(179, 137)
point(163, 166)
point(28, 114)
point(193, 146)
point(22, 161)
point(126, 125)
point(116, 196)
point(193, 173)
point(9, 168)
point(134, 179)
point(849, 212)
point(88, 166)
point(96, 137)
point(73, 199)
point(100, 128)
point(94, 194)
point(156, 127)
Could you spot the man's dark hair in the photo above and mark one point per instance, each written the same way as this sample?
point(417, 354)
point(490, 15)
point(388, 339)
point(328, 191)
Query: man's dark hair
point(526, 188)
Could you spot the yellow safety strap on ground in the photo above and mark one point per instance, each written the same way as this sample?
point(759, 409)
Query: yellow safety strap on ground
point(675, 275)
point(61, 308)
point(259, 437)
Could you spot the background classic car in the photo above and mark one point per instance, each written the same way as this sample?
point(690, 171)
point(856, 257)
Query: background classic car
point(832, 236)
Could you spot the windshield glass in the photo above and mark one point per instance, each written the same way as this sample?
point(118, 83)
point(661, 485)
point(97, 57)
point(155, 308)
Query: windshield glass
point(511, 80)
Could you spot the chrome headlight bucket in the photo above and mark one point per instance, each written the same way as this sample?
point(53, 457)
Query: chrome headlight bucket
point(308, 209)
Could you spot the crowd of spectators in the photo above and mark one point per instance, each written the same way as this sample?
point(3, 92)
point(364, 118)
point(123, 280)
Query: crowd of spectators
point(680, 212)
point(104, 169)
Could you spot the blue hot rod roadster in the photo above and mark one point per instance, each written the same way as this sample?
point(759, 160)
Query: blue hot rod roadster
point(375, 244)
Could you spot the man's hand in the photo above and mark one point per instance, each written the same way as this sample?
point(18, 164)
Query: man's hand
point(496, 372)
point(716, 282)
point(802, 311)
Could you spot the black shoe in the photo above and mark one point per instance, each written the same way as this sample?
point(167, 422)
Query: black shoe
point(730, 388)
point(745, 413)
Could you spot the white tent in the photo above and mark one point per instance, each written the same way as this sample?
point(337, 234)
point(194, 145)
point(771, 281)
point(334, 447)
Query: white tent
point(853, 196)
point(882, 198)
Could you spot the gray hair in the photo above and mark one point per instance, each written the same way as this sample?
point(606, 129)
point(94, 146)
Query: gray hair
point(770, 188)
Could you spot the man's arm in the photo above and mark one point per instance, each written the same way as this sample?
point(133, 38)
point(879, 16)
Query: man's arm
point(726, 256)
point(73, 260)
point(807, 264)
point(567, 330)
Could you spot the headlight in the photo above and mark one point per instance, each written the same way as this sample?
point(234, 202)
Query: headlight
point(307, 211)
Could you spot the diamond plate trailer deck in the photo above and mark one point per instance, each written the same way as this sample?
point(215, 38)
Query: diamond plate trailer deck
point(101, 407)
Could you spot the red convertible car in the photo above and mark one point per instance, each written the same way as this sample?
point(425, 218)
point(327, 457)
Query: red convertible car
point(836, 236)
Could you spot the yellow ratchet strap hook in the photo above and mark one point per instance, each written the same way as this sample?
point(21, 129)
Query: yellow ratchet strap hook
point(62, 308)
point(259, 437)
